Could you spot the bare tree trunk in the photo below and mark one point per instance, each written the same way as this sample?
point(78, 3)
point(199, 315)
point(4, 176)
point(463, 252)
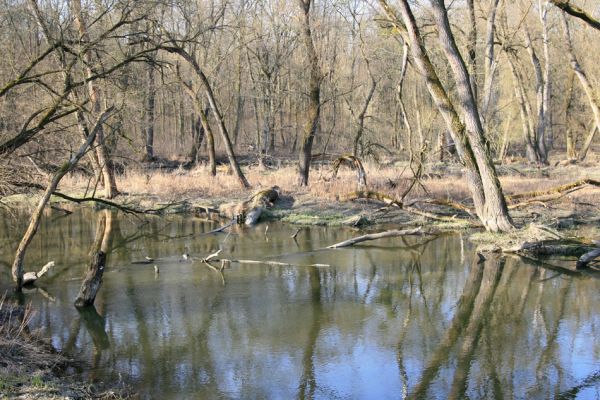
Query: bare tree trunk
point(235, 167)
point(110, 183)
point(496, 217)
point(485, 188)
point(587, 144)
point(149, 113)
point(34, 223)
point(538, 139)
point(314, 99)
point(489, 64)
point(546, 107)
point(587, 87)
point(472, 48)
point(210, 141)
point(525, 112)
point(399, 95)
point(93, 278)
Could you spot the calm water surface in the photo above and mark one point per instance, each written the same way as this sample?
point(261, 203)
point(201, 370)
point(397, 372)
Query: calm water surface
point(396, 318)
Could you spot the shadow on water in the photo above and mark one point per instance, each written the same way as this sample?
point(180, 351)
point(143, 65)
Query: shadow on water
point(399, 318)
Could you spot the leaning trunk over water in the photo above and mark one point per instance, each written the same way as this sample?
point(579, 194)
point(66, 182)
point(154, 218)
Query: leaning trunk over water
point(314, 99)
point(34, 223)
point(488, 198)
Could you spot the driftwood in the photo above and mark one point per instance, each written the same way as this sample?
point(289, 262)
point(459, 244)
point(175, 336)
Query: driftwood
point(375, 236)
point(31, 277)
point(272, 263)
point(354, 163)
point(92, 281)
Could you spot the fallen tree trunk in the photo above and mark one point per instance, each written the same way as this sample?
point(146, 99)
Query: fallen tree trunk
point(380, 235)
point(558, 189)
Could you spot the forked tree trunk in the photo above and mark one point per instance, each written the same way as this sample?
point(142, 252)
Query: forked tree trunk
point(539, 137)
point(488, 199)
point(489, 65)
point(313, 111)
point(495, 214)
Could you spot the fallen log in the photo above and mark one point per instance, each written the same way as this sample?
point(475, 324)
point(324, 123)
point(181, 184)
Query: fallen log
point(559, 189)
point(375, 236)
point(30, 277)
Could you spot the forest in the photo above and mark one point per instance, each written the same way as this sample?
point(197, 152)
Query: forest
point(433, 116)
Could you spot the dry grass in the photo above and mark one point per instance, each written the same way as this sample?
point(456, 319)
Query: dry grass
point(198, 184)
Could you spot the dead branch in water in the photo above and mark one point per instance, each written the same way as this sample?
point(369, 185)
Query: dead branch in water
point(380, 235)
point(31, 277)
point(587, 258)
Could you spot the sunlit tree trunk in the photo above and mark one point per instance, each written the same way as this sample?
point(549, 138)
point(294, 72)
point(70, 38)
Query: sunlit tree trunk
point(311, 119)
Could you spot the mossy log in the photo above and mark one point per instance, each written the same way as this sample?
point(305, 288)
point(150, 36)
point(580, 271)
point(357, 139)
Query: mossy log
point(354, 163)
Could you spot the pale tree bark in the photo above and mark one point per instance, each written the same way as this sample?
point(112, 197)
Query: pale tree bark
point(34, 222)
point(485, 188)
point(585, 83)
point(547, 134)
point(106, 165)
point(489, 64)
point(360, 118)
point(313, 111)
point(524, 111)
point(538, 141)
point(401, 111)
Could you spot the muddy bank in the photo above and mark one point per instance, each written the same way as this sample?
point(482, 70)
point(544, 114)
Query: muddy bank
point(30, 368)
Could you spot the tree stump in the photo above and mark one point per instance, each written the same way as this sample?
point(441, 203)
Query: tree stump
point(92, 281)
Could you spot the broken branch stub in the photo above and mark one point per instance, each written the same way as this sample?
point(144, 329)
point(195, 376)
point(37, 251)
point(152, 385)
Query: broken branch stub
point(92, 281)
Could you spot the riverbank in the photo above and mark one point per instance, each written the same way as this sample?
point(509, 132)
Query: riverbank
point(30, 368)
point(440, 197)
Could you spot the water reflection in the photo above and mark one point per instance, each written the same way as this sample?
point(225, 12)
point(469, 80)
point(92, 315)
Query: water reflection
point(399, 318)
